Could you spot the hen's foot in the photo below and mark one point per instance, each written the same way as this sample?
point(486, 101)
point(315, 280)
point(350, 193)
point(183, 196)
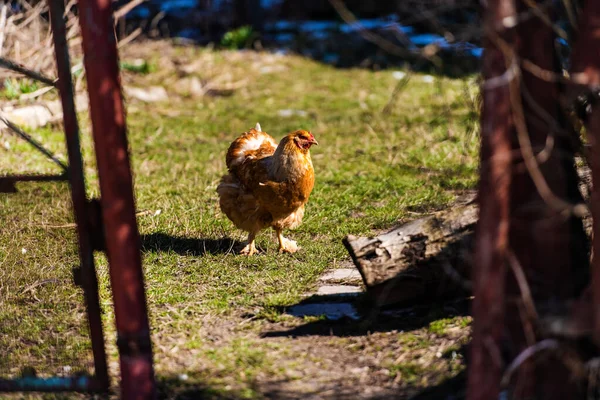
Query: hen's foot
point(249, 250)
point(288, 246)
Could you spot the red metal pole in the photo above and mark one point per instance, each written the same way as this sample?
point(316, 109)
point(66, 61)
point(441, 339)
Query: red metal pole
point(491, 240)
point(78, 195)
point(118, 207)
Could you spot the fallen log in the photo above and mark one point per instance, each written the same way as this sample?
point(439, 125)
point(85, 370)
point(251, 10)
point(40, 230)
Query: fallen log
point(422, 260)
point(427, 259)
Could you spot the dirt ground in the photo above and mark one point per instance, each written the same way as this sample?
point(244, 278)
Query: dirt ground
point(396, 354)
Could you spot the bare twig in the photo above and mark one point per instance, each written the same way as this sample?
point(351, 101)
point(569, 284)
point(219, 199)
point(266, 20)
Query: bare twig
point(570, 15)
point(33, 15)
point(378, 40)
point(544, 74)
point(13, 66)
point(30, 288)
point(397, 89)
point(555, 202)
point(543, 16)
point(2, 26)
point(126, 40)
point(509, 75)
point(525, 147)
point(494, 351)
point(19, 132)
point(544, 345)
point(37, 30)
point(121, 12)
point(71, 225)
point(521, 279)
point(37, 93)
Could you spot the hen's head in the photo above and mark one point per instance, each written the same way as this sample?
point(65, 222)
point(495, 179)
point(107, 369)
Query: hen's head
point(302, 139)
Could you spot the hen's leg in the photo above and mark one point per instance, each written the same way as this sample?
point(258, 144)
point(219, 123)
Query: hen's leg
point(250, 248)
point(286, 245)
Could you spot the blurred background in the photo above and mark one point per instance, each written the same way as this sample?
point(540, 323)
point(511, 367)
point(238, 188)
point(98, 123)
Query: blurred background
point(372, 34)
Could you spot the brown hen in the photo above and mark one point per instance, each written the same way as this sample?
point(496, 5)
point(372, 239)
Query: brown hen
point(267, 184)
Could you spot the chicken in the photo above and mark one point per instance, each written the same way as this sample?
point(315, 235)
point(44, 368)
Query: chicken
point(267, 185)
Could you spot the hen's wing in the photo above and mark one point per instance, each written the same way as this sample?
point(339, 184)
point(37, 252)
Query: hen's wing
point(252, 145)
point(247, 160)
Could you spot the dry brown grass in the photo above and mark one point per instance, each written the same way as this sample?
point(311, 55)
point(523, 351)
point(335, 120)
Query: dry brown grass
point(26, 38)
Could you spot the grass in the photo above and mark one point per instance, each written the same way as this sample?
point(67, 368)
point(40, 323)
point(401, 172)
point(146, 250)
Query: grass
point(440, 326)
point(138, 66)
point(411, 340)
point(410, 372)
point(237, 38)
point(373, 170)
point(13, 88)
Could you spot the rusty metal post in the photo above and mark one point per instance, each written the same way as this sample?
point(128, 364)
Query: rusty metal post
point(117, 199)
point(78, 195)
point(491, 240)
point(548, 247)
point(586, 62)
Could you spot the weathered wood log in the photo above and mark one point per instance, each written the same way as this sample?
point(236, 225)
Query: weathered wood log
point(422, 260)
point(427, 259)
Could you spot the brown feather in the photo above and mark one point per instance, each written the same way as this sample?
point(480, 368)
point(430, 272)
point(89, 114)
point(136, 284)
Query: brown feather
point(267, 185)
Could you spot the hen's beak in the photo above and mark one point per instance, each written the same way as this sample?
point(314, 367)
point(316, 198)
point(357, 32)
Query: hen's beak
point(313, 141)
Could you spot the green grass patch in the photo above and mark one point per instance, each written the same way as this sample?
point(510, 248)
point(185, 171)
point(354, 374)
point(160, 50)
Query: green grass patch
point(412, 341)
point(408, 372)
point(440, 326)
point(373, 170)
point(138, 66)
point(14, 88)
point(238, 38)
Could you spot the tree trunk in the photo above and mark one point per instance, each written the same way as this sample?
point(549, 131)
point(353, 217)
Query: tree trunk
point(587, 63)
point(532, 255)
point(546, 239)
point(491, 237)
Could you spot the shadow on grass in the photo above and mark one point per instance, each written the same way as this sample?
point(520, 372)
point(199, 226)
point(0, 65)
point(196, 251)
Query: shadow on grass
point(329, 393)
point(173, 387)
point(194, 387)
point(163, 242)
point(450, 389)
point(374, 320)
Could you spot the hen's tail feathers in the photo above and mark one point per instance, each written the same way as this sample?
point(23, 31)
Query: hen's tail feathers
point(258, 128)
point(254, 144)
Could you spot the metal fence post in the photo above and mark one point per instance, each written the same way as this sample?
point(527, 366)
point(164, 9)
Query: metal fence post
point(78, 195)
point(117, 199)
